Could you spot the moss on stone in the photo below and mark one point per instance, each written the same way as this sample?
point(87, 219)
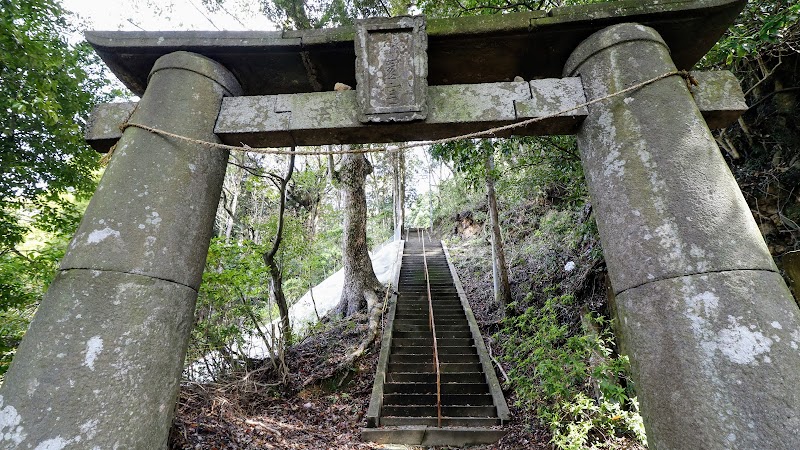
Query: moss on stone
point(483, 24)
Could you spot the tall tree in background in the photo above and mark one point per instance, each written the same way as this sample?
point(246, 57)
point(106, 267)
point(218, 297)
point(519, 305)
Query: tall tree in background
point(360, 282)
point(275, 271)
point(474, 159)
point(398, 160)
point(502, 288)
point(304, 14)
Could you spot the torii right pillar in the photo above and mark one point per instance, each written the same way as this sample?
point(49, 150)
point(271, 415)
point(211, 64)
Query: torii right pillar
point(709, 325)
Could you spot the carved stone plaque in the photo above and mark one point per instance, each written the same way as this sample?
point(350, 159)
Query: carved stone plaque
point(392, 69)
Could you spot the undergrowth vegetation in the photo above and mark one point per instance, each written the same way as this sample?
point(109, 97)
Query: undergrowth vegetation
point(572, 378)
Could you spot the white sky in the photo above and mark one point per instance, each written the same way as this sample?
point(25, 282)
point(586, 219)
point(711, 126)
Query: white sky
point(154, 15)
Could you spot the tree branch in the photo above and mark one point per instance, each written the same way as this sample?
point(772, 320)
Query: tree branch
point(270, 257)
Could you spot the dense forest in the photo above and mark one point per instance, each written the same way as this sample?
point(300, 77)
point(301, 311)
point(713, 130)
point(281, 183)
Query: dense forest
point(518, 204)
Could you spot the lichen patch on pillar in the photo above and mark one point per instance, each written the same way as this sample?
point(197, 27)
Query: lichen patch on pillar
point(10, 428)
point(93, 348)
point(741, 344)
point(97, 236)
point(56, 443)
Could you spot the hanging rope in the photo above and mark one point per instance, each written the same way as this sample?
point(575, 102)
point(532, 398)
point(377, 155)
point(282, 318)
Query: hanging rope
point(477, 134)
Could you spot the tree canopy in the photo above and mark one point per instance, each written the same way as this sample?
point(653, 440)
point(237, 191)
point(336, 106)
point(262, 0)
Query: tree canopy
point(47, 92)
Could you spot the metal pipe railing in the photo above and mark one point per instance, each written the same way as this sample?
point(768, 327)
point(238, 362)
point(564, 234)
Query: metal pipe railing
point(432, 324)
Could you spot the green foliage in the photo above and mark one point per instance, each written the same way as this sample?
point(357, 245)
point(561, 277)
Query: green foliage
point(763, 29)
point(542, 166)
point(303, 14)
point(48, 89)
point(24, 277)
point(47, 171)
point(532, 164)
point(552, 374)
point(233, 299)
point(468, 158)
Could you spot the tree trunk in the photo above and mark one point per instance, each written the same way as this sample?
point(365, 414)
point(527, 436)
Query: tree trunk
point(280, 300)
point(398, 193)
point(359, 277)
point(237, 188)
point(502, 288)
point(269, 259)
point(331, 164)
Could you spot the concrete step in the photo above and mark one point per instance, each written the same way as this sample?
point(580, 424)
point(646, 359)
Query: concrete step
point(425, 327)
point(440, 305)
point(447, 367)
point(423, 434)
point(430, 399)
point(430, 411)
point(453, 334)
point(407, 310)
point(408, 409)
point(421, 301)
point(446, 421)
point(456, 358)
point(411, 367)
point(425, 334)
point(427, 388)
point(461, 358)
point(474, 379)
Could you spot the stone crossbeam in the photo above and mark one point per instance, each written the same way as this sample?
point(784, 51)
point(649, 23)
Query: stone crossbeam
point(317, 118)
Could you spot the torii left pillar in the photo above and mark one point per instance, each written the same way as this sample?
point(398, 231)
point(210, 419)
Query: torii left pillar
point(100, 365)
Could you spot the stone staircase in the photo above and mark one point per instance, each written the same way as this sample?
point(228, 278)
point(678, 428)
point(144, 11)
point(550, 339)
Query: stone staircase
point(408, 406)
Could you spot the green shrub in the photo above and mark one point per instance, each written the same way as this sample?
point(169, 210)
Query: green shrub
point(556, 365)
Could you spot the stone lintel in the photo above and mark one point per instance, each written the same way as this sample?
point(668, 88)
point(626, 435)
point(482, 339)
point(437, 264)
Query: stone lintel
point(317, 118)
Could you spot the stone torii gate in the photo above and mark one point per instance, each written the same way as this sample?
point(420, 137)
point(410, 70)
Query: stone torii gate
point(711, 328)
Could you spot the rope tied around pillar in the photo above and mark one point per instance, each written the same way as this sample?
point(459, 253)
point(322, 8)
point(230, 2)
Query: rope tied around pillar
point(691, 81)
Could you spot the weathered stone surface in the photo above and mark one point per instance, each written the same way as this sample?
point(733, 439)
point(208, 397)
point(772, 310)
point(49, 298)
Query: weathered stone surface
point(466, 50)
point(552, 96)
point(715, 360)
point(106, 369)
point(314, 111)
point(154, 208)
point(103, 129)
point(391, 69)
point(471, 103)
point(665, 201)
point(332, 117)
point(710, 328)
point(721, 92)
point(100, 365)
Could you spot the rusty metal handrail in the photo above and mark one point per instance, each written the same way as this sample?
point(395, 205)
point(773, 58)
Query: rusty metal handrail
point(433, 332)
